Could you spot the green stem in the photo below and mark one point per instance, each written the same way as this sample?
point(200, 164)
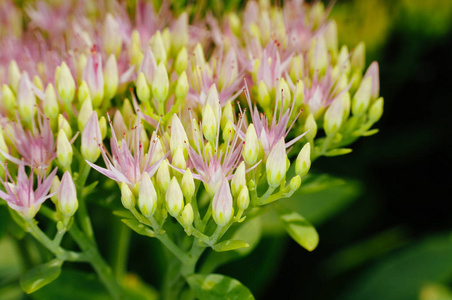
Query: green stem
point(94, 258)
point(82, 213)
point(261, 200)
point(121, 251)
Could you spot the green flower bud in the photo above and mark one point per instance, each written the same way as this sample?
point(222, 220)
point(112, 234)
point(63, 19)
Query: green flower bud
point(178, 136)
point(8, 100)
point(187, 216)
point(182, 86)
point(160, 84)
point(299, 94)
point(361, 99)
point(67, 196)
point(209, 124)
point(174, 198)
point(50, 103)
point(143, 90)
point(64, 150)
point(147, 197)
point(85, 113)
point(310, 127)
point(228, 115)
point(181, 61)
point(83, 92)
point(103, 127)
point(158, 48)
point(65, 84)
point(238, 180)
point(296, 68)
point(188, 184)
point(127, 197)
point(163, 176)
point(285, 93)
point(251, 147)
point(303, 162)
point(111, 36)
point(331, 39)
point(111, 77)
point(243, 201)
point(179, 159)
point(38, 82)
point(358, 59)
point(376, 110)
point(276, 164)
point(54, 190)
point(318, 56)
point(228, 132)
point(333, 117)
point(295, 183)
point(263, 97)
point(14, 76)
point(65, 126)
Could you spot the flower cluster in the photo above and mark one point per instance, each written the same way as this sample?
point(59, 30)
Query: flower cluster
point(207, 117)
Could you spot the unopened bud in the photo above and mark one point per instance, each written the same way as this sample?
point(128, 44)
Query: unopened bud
point(103, 127)
point(65, 84)
point(111, 35)
point(179, 32)
point(331, 38)
point(228, 132)
point(50, 104)
point(26, 100)
point(296, 69)
point(310, 127)
point(174, 198)
point(333, 117)
point(143, 90)
point(295, 183)
point(147, 197)
point(238, 180)
point(285, 95)
point(178, 136)
point(64, 150)
point(187, 216)
point(376, 110)
point(91, 139)
point(14, 75)
point(158, 48)
point(38, 82)
point(8, 100)
point(163, 176)
point(85, 113)
point(127, 197)
point(182, 86)
point(303, 162)
point(67, 196)
point(227, 115)
point(160, 84)
point(263, 97)
point(181, 61)
point(54, 189)
point(276, 164)
point(65, 126)
point(318, 56)
point(209, 124)
point(251, 147)
point(94, 78)
point(299, 94)
point(83, 92)
point(358, 59)
point(361, 99)
point(222, 209)
point(178, 159)
point(243, 200)
point(111, 77)
point(188, 184)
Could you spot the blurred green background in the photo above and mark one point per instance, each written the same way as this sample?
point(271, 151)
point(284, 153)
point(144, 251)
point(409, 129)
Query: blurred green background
point(385, 226)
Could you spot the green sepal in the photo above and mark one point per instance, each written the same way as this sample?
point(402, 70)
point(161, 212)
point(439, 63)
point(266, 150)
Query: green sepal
point(230, 245)
point(370, 132)
point(138, 227)
point(40, 276)
point(298, 227)
point(218, 287)
point(123, 213)
point(338, 151)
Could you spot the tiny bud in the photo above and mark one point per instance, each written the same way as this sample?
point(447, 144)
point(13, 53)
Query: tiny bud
point(331, 38)
point(38, 82)
point(127, 197)
point(65, 84)
point(243, 201)
point(376, 110)
point(181, 61)
point(188, 184)
point(373, 72)
point(26, 99)
point(111, 77)
point(358, 59)
point(222, 209)
point(179, 32)
point(333, 117)
point(303, 162)
point(50, 103)
point(160, 84)
point(8, 100)
point(263, 97)
point(54, 190)
point(174, 198)
point(178, 159)
point(276, 164)
point(67, 196)
point(310, 127)
point(103, 127)
point(213, 100)
point(91, 139)
point(182, 86)
point(163, 176)
point(158, 48)
point(318, 56)
point(295, 183)
point(228, 115)
point(14, 76)
point(228, 132)
point(361, 99)
point(251, 148)
point(143, 90)
point(147, 197)
point(83, 92)
point(187, 216)
point(94, 78)
point(85, 113)
point(166, 37)
point(296, 68)
point(178, 136)
point(209, 124)
point(299, 94)
point(64, 125)
point(111, 35)
point(64, 150)
point(238, 180)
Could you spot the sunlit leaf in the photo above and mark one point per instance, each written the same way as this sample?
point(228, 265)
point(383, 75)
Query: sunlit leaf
point(218, 287)
point(40, 276)
point(298, 228)
point(229, 245)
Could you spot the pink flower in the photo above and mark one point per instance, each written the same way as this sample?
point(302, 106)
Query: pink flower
point(21, 196)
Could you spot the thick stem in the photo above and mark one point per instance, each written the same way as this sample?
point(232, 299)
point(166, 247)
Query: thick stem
point(121, 251)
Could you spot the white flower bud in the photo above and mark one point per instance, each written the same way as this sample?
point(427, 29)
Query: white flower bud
point(160, 83)
point(187, 216)
point(112, 36)
point(179, 159)
point(83, 92)
point(85, 113)
point(295, 183)
point(227, 115)
point(222, 209)
point(91, 139)
point(64, 150)
point(14, 76)
point(158, 47)
point(243, 200)
point(147, 197)
point(127, 197)
point(103, 127)
point(163, 176)
point(67, 196)
point(181, 61)
point(303, 162)
point(263, 97)
point(358, 59)
point(174, 198)
point(333, 117)
point(65, 84)
point(276, 164)
point(361, 99)
point(251, 147)
point(143, 90)
point(376, 110)
point(182, 86)
point(209, 124)
point(26, 100)
point(228, 132)
point(178, 136)
point(238, 180)
point(188, 184)
point(54, 189)
point(111, 77)
point(64, 124)
point(50, 103)
point(8, 99)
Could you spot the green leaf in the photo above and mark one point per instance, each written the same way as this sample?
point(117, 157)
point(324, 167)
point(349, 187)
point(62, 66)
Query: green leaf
point(338, 151)
point(298, 228)
point(138, 227)
point(251, 233)
point(370, 132)
point(229, 245)
point(124, 214)
point(40, 276)
point(402, 275)
point(218, 287)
